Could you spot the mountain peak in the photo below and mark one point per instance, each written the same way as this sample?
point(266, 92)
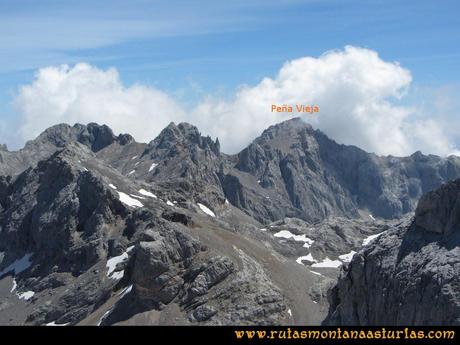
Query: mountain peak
point(288, 127)
point(183, 134)
point(95, 136)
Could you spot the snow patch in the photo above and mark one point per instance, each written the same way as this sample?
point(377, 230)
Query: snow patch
point(15, 285)
point(114, 261)
point(19, 265)
point(169, 203)
point(372, 217)
point(347, 257)
point(328, 263)
point(134, 157)
point(112, 186)
point(53, 323)
point(147, 193)
point(290, 312)
point(308, 257)
point(125, 291)
point(137, 196)
point(117, 275)
point(369, 239)
point(126, 199)
point(153, 166)
point(26, 295)
point(263, 229)
point(299, 238)
point(317, 273)
point(131, 172)
point(206, 210)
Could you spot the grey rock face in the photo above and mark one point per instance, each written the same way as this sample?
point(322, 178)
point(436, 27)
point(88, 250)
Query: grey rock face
point(159, 264)
point(58, 212)
point(292, 170)
point(439, 210)
point(203, 313)
point(94, 136)
point(410, 274)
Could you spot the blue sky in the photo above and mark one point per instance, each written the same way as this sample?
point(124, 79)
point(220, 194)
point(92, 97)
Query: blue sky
point(192, 48)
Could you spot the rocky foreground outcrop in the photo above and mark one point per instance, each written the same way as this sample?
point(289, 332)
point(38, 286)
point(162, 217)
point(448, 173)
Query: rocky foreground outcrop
point(410, 274)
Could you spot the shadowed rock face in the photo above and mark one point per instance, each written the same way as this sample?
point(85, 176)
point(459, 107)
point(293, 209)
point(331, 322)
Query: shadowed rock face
point(439, 210)
point(410, 274)
point(59, 212)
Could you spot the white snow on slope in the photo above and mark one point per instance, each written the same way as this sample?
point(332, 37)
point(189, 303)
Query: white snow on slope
point(263, 229)
point(26, 295)
point(372, 217)
point(15, 285)
point(117, 275)
point(53, 323)
point(125, 291)
point(169, 203)
point(328, 263)
point(126, 199)
point(131, 172)
point(299, 238)
point(308, 257)
point(134, 157)
point(114, 261)
point(316, 273)
point(19, 265)
point(112, 186)
point(368, 240)
point(347, 257)
point(152, 166)
point(206, 210)
point(147, 193)
point(137, 196)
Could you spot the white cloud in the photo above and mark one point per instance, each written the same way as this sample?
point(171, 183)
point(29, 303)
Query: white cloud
point(87, 94)
point(358, 94)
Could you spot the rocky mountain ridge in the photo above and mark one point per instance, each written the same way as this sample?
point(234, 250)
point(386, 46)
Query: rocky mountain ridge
point(99, 229)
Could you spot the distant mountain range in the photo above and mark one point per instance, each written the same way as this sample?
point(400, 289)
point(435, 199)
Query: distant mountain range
point(99, 229)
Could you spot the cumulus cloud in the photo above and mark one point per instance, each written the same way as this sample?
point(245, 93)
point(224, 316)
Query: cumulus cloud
point(358, 94)
point(86, 94)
